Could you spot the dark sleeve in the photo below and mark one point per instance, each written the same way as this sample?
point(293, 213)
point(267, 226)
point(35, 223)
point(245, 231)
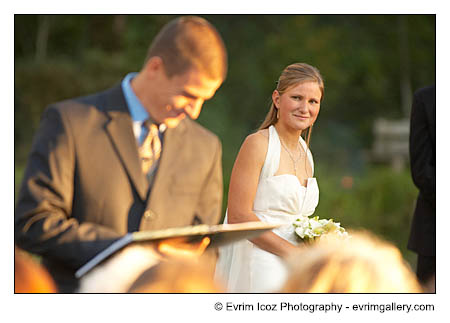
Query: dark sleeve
point(43, 216)
point(422, 148)
point(210, 203)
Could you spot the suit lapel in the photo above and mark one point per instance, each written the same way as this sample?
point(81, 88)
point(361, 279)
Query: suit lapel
point(173, 143)
point(120, 131)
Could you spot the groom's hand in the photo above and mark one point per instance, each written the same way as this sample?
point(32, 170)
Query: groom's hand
point(180, 249)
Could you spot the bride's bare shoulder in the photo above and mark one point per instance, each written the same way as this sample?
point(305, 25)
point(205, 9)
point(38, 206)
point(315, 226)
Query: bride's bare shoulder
point(263, 132)
point(258, 139)
point(256, 144)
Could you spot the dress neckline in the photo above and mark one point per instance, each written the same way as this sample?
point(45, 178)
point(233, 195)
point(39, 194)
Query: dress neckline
point(298, 181)
point(305, 148)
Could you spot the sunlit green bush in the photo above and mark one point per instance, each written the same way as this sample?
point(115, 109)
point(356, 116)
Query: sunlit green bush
point(379, 199)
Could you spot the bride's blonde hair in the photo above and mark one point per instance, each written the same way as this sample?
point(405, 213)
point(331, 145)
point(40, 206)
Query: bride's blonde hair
point(292, 75)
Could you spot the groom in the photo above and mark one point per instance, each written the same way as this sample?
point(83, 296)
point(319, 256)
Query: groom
point(93, 173)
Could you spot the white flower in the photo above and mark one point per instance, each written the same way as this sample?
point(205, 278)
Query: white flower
point(300, 231)
point(315, 224)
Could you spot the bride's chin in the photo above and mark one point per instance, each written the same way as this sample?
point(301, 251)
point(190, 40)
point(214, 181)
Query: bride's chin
point(300, 126)
point(296, 128)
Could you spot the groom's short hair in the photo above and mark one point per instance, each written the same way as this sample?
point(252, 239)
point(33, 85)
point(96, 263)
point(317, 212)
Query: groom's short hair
point(188, 42)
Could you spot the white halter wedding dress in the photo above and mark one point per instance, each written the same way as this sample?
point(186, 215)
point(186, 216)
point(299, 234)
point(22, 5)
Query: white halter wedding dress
point(243, 267)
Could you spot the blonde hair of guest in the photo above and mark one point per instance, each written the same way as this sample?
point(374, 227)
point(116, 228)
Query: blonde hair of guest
point(177, 276)
point(360, 264)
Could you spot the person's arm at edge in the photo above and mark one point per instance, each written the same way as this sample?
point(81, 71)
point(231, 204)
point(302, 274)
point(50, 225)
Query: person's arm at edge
point(421, 150)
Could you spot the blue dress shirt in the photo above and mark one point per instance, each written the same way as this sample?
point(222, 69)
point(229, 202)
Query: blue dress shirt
point(137, 110)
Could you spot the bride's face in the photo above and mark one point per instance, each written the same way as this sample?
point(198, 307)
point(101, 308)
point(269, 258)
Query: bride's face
point(299, 105)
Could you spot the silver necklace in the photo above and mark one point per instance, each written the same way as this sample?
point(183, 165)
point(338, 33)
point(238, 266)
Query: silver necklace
point(294, 161)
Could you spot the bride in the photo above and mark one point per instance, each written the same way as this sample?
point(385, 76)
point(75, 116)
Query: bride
point(272, 181)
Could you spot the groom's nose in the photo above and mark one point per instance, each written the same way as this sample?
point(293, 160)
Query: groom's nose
point(194, 108)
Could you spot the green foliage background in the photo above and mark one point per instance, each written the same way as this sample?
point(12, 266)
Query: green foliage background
point(364, 59)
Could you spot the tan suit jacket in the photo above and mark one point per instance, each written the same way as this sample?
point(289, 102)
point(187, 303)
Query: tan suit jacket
point(83, 187)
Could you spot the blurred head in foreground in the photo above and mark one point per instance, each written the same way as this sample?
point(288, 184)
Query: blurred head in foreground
point(30, 276)
point(359, 264)
point(176, 277)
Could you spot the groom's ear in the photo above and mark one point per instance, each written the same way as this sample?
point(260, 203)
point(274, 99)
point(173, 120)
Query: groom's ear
point(154, 67)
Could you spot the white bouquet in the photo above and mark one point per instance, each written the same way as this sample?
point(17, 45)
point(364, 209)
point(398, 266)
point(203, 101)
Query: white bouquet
point(310, 229)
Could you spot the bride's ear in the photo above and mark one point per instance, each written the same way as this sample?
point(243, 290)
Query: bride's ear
point(276, 97)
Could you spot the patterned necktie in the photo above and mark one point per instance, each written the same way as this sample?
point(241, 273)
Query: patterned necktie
point(150, 149)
